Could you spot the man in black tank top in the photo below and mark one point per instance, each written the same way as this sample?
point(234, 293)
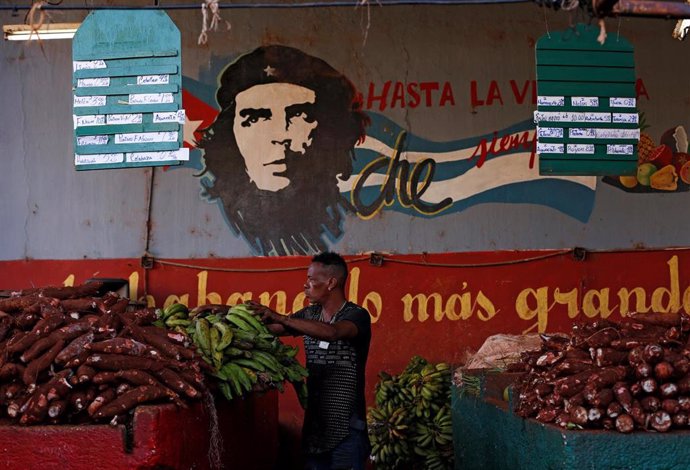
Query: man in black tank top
point(336, 334)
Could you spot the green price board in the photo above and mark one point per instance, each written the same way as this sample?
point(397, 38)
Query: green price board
point(587, 120)
point(127, 91)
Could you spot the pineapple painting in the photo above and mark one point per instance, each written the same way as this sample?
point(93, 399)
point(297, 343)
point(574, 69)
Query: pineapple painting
point(662, 167)
point(646, 145)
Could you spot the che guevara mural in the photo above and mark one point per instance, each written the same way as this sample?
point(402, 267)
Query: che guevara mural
point(287, 148)
point(283, 139)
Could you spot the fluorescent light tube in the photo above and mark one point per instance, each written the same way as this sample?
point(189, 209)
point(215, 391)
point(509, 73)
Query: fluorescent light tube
point(23, 32)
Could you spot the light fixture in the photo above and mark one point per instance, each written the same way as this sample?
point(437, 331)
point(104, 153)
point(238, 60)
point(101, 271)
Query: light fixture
point(24, 32)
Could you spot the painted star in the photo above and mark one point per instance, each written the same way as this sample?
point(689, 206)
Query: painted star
point(270, 71)
point(188, 129)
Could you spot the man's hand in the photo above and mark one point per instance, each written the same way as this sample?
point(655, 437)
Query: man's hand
point(266, 315)
point(275, 322)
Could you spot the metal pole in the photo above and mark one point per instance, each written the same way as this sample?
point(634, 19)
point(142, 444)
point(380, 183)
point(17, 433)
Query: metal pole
point(651, 9)
point(266, 5)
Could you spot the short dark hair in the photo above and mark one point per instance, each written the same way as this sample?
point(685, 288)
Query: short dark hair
point(335, 263)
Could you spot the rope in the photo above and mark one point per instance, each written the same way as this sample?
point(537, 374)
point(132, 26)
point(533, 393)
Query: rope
point(481, 265)
point(244, 270)
point(211, 5)
point(399, 261)
point(546, 21)
point(569, 5)
point(368, 25)
point(367, 258)
point(601, 39)
point(36, 7)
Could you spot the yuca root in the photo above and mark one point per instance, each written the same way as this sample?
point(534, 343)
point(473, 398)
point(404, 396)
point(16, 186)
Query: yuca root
point(67, 356)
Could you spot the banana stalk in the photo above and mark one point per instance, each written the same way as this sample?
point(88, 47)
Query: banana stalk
point(410, 427)
point(244, 354)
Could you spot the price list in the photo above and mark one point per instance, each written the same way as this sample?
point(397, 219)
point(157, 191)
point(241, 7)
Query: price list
point(127, 98)
point(587, 120)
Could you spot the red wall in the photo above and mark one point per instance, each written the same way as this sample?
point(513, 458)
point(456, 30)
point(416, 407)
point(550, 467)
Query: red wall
point(469, 296)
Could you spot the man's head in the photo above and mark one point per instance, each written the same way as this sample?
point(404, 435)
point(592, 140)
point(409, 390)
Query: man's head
point(285, 134)
point(272, 121)
point(279, 106)
point(326, 274)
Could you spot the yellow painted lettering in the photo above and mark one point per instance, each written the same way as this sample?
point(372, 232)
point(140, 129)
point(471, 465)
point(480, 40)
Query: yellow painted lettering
point(672, 295)
point(69, 281)
point(299, 302)
point(374, 305)
point(451, 311)
point(466, 307)
point(203, 297)
point(602, 303)
point(150, 301)
point(438, 305)
point(567, 298)
point(280, 297)
point(488, 310)
point(175, 299)
point(540, 309)
point(422, 301)
point(686, 300)
point(134, 286)
point(238, 298)
point(353, 289)
point(640, 297)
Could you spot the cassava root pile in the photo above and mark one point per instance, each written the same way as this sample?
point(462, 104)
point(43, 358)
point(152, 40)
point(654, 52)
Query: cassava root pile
point(634, 374)
point(69, 356)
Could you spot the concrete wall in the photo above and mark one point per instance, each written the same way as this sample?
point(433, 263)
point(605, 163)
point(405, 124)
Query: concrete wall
point(51, 211)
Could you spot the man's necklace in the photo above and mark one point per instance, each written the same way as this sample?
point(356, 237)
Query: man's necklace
point(334, 315)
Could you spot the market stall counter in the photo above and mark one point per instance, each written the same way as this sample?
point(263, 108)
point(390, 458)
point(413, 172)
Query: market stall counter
point(240, 434)
point(487, 434)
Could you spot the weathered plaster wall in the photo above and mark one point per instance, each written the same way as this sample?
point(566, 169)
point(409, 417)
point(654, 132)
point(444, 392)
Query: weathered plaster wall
point(51, 211)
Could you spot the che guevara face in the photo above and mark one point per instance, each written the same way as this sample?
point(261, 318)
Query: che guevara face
point(271, 120)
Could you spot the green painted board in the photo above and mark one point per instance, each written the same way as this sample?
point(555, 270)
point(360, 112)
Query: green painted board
point(125, 52)
point(586, 85)
point(126, 89)
point(565, 73)
point(591, 125)
point(579, 38)
point(549, 140)
point(601, 108)
point(596, 142)
point(129, 71)
point(127, 62)
point(595, 58)
point(584, 156)
point(129, 165)
point(605, 89)
point(124, 128)
point(124, 109)
point(587, 167)
point(118, 148)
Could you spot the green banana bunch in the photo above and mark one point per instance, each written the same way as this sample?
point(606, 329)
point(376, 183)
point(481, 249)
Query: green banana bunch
point(410, 427)
point(175, 317)
point(245, 355)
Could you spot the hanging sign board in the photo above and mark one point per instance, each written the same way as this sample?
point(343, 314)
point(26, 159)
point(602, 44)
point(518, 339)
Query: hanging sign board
point(587, 120)
point(127, 91)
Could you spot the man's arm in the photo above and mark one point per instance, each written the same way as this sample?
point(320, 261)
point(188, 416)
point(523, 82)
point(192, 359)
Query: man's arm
point(284, 324)
point(276, 329)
